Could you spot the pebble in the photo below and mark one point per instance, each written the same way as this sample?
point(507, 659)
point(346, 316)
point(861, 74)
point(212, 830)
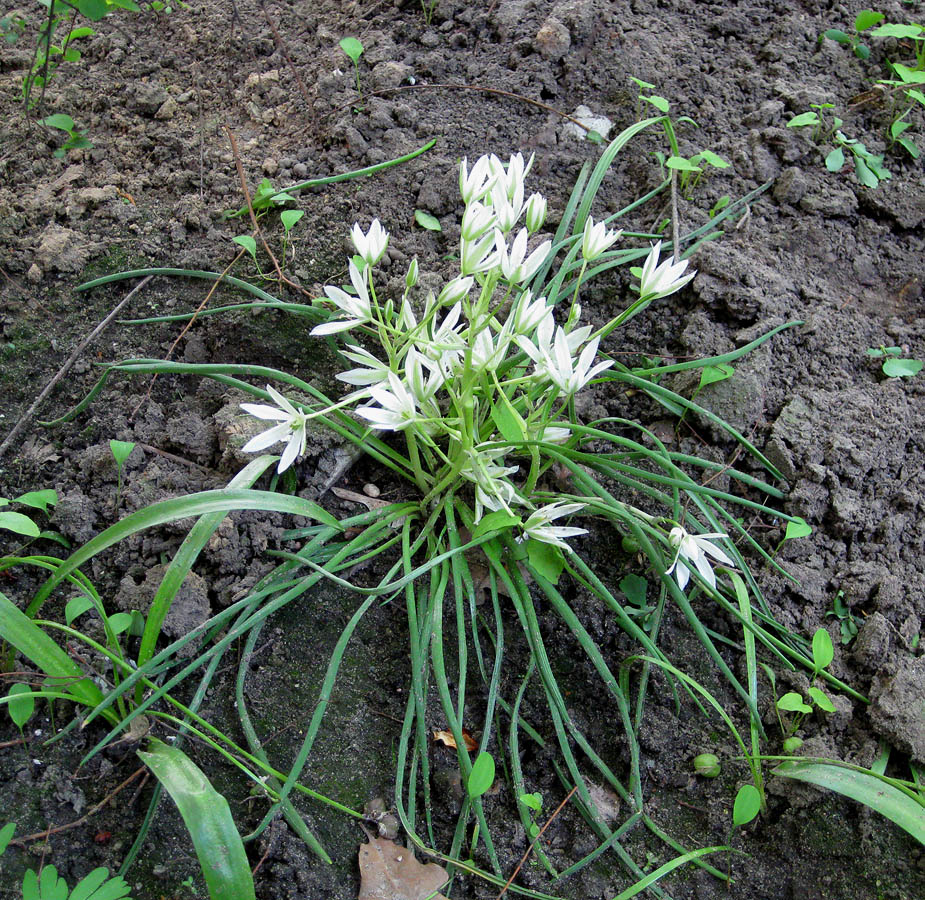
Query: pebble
point(552, 41)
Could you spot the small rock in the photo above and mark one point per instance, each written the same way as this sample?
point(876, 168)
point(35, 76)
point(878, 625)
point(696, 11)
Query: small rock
point(897, 702)
point(34, 274)
point(553, 40)
point(270, 166)
point(167, 110)
point(148, 98)
point(791, 186)
point(62, 250)
point(600, 124)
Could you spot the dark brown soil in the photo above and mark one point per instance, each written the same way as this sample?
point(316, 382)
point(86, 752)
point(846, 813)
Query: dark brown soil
point(158, 95)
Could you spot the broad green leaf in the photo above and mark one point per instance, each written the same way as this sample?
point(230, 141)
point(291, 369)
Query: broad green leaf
point(20, 708)
point(546, 559)
point(681, 164)
point(51, 885)
point(910, 148)
point(94, 10)
point(823, 651)
point(864, 787)
point(19, 524)
point(713, 374)
point(793, 702)
point(797, 528)
point(907, 75)
point(821, 700)
point(77, 606)
point(247, 242)
point(835, 159)
point(807, 118)
point(643, 84)
point(533, 801)
point(38, 499)
point(86, 31)
point(6, 835)
point(894, 368)
point(864, 173)
point(427, 221)
point(495, 521)
point(99, 886)
point(120, 622)
point(867, 18)
point(482, 775)
point(894, 29)
point(59, 120)
point(352, 47)
point(660, 103)
point(913, 94)
point(121, 450)
point(747, 805)
point(833, 34)
point(208, 819)
point(289, 217)
point(708, 156)
point(634, 587)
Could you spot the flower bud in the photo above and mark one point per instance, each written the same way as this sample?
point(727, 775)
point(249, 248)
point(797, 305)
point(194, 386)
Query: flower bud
point(411, 279)
point(536, 213)
point(454, 291)
point(707, 765)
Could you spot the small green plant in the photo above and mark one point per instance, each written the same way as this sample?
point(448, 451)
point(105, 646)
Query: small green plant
point(429, 7)
point(98, 885)
point(21, 524)
point(354, 49)
point(12, 27)
point(847, 624)
point(895, 365)
point(534, 803)
point(121, 451)
point(288, 219)
point(864, 20)
point(427, 221)
point(792, 702)
point(76, 139)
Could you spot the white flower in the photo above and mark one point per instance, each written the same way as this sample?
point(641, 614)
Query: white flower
point(411, 279)
point(477, 256)
point(693, 550)
point(661, 280)
point(475, 184)
point(374, 371)
point(291, 428)
point(568, 374)
point(507, 208)
point(358, 307)
point(488, 352)
point(476, 220)
point(455, 290)
point(513, 176)
point(536, 212)
point(492, 489)
point(596, 239)
point(513, 265)
point(371, 245)
point(528, 313)
point(397, 408)
point(423, 388)
point(538, 527)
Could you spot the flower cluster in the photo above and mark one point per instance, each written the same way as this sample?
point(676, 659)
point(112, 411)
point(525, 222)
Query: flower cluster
point(481, 372)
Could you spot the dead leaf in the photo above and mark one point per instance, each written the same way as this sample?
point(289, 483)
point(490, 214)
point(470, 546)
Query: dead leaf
point(446, 738)
point(370, 503)
point(389, 871)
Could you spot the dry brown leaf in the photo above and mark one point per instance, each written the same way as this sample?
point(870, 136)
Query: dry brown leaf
point(446, 738)
point(370, 503)
point(389, 871)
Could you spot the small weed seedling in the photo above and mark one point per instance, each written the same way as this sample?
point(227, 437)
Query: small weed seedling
point(121, 450)
point(895, 365)
point(427, 221)
point(288, 218)
point(21, 524)
point(864, 20)
point(847, 624)
point(354, 49)
point(429, 7)
point(76, 139)
point(792, 702)
point(533, 802)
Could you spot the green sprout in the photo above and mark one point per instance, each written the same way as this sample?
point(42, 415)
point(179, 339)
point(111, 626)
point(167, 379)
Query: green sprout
point(533, 802)
point(354, 49)
point(895, 365)
point(792, 702)
point(76, 139)
point(864, 20)
point(121, 450)
point(847, 624)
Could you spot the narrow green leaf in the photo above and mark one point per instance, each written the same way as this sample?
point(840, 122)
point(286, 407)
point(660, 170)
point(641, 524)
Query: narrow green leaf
point(666, 869)
point(823, 651)
point(482, 775)
point(863, 787)
point(18, 524)
point(894, 368)
point(208, 818)
point(797, 528)
point(747, 805)
point(20, 708)
point(38, 499)
point(352, 47)
point(427, 221)
point(6, 835)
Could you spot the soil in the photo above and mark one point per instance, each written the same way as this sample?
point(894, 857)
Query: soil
point(158, 94)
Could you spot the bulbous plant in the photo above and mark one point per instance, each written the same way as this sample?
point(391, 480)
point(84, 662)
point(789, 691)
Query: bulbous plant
point(468, 394)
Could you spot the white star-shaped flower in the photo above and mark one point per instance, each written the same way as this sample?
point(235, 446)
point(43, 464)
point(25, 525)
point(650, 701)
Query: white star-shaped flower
point(371, 245)
point(538, 527)
point(291, 428)
point(596, 239)
point(661, 280)
point(514, 267)
point(397, 408)
point(693, 551)
point(358, 307)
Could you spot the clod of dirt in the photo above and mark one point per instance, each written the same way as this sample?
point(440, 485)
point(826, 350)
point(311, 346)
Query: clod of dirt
point(63, 250)
point(897, 704)
point(189, 609)
point(389, 871)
